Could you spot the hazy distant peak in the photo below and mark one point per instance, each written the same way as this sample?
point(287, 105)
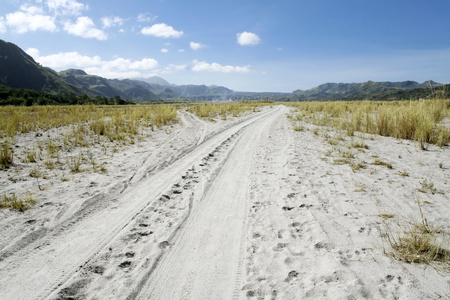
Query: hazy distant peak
point(154, 80)
point(73, 72)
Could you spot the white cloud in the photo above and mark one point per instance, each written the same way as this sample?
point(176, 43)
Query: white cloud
point(144, 64)
point(43, 16)
point(31, 9)
point(66, 7)
point(116, 68)
point(248, 39)
point(30, 18)
point(201, 66)
point(196, 46)
point(146, 17)
point(85, 27)
point(164, 50)
point(64, 60)
point(180, 50)
point(33, 52)
point(2, 25)
point(111, 21)
point(174, 68)
point(124, 68)
point(162, 30)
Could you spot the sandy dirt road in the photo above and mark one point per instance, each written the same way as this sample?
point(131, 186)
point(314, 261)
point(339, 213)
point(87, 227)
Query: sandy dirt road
point(55, 265)
point(211, 242)
point(254, 210)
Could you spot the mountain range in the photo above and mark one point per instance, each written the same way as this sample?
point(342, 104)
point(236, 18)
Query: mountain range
point(366, 90)
point(19, 70)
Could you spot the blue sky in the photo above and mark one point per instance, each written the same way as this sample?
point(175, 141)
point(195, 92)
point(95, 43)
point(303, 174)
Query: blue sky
point(245, 45)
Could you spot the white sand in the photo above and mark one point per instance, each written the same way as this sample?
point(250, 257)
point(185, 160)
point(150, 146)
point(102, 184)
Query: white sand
point(236, 209)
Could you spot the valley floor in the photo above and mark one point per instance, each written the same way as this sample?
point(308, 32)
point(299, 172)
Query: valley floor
point(244, 208)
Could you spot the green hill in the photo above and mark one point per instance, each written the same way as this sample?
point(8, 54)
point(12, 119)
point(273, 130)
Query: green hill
point(369, 90)
point(19, 70)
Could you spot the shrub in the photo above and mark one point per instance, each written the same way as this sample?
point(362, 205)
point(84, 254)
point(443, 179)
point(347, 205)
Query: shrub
point(6, 156)
point(418, 243)
point(13, 202)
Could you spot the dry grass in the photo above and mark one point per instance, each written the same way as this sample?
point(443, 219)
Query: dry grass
point(426, 122)
point(85, 126)
point(416, 246)
point(213, 110)
point(6, 155)
point(423, 121)
point(15, 203)
point(378, 162)
point(61, 138)
point(418, 242)
point(111, 121)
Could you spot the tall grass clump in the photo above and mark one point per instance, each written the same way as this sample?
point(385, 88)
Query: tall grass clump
point(163, 115)
point(418, 242)
point(101, 119)
point(424, 121)
point(213, 110)
point(6, 155)
point(15, 203)
point(81, 127)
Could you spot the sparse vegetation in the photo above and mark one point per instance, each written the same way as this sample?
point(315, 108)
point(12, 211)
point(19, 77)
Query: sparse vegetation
point(15, 203)
point(213, 110)
point(343, 157)
point(418, 243)
point(386, 216)
point(420, 121)
point(427, 186)
point(378, 162)
point(358, 166)
point(85, 126)
point(404, 174)
point(359, 145)
point(111, 121)
point(74, 163)
point(6, 155)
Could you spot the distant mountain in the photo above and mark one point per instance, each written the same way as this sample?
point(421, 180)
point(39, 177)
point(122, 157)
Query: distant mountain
point(90, 84)
point(154, 80)
point(202, 90)
point(360, 91)
point(19, 70)
point(149, 89)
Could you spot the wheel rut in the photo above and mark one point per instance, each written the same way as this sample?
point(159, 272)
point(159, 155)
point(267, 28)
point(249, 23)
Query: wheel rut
point(205, 260)
point(154, 209)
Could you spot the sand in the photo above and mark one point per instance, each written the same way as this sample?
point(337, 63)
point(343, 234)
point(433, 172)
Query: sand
point(243, 208)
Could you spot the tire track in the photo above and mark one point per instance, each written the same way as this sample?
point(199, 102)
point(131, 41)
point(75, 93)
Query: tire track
point(207, 266)
point(62, 254)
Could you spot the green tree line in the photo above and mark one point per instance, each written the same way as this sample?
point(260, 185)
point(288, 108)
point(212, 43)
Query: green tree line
point(26, 97)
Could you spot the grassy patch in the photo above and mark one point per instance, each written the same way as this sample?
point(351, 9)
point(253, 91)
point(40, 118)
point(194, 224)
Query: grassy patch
point(414, 245)
point(358, 166)
point(6, 156)
point(210, 111)
point(404, 174)
point(427, 186)
point(74, 163)
point(418, 242)
point(386, 216)
point(420, 121)
point(15, 203)
point(359, 145)
point(378, 162)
